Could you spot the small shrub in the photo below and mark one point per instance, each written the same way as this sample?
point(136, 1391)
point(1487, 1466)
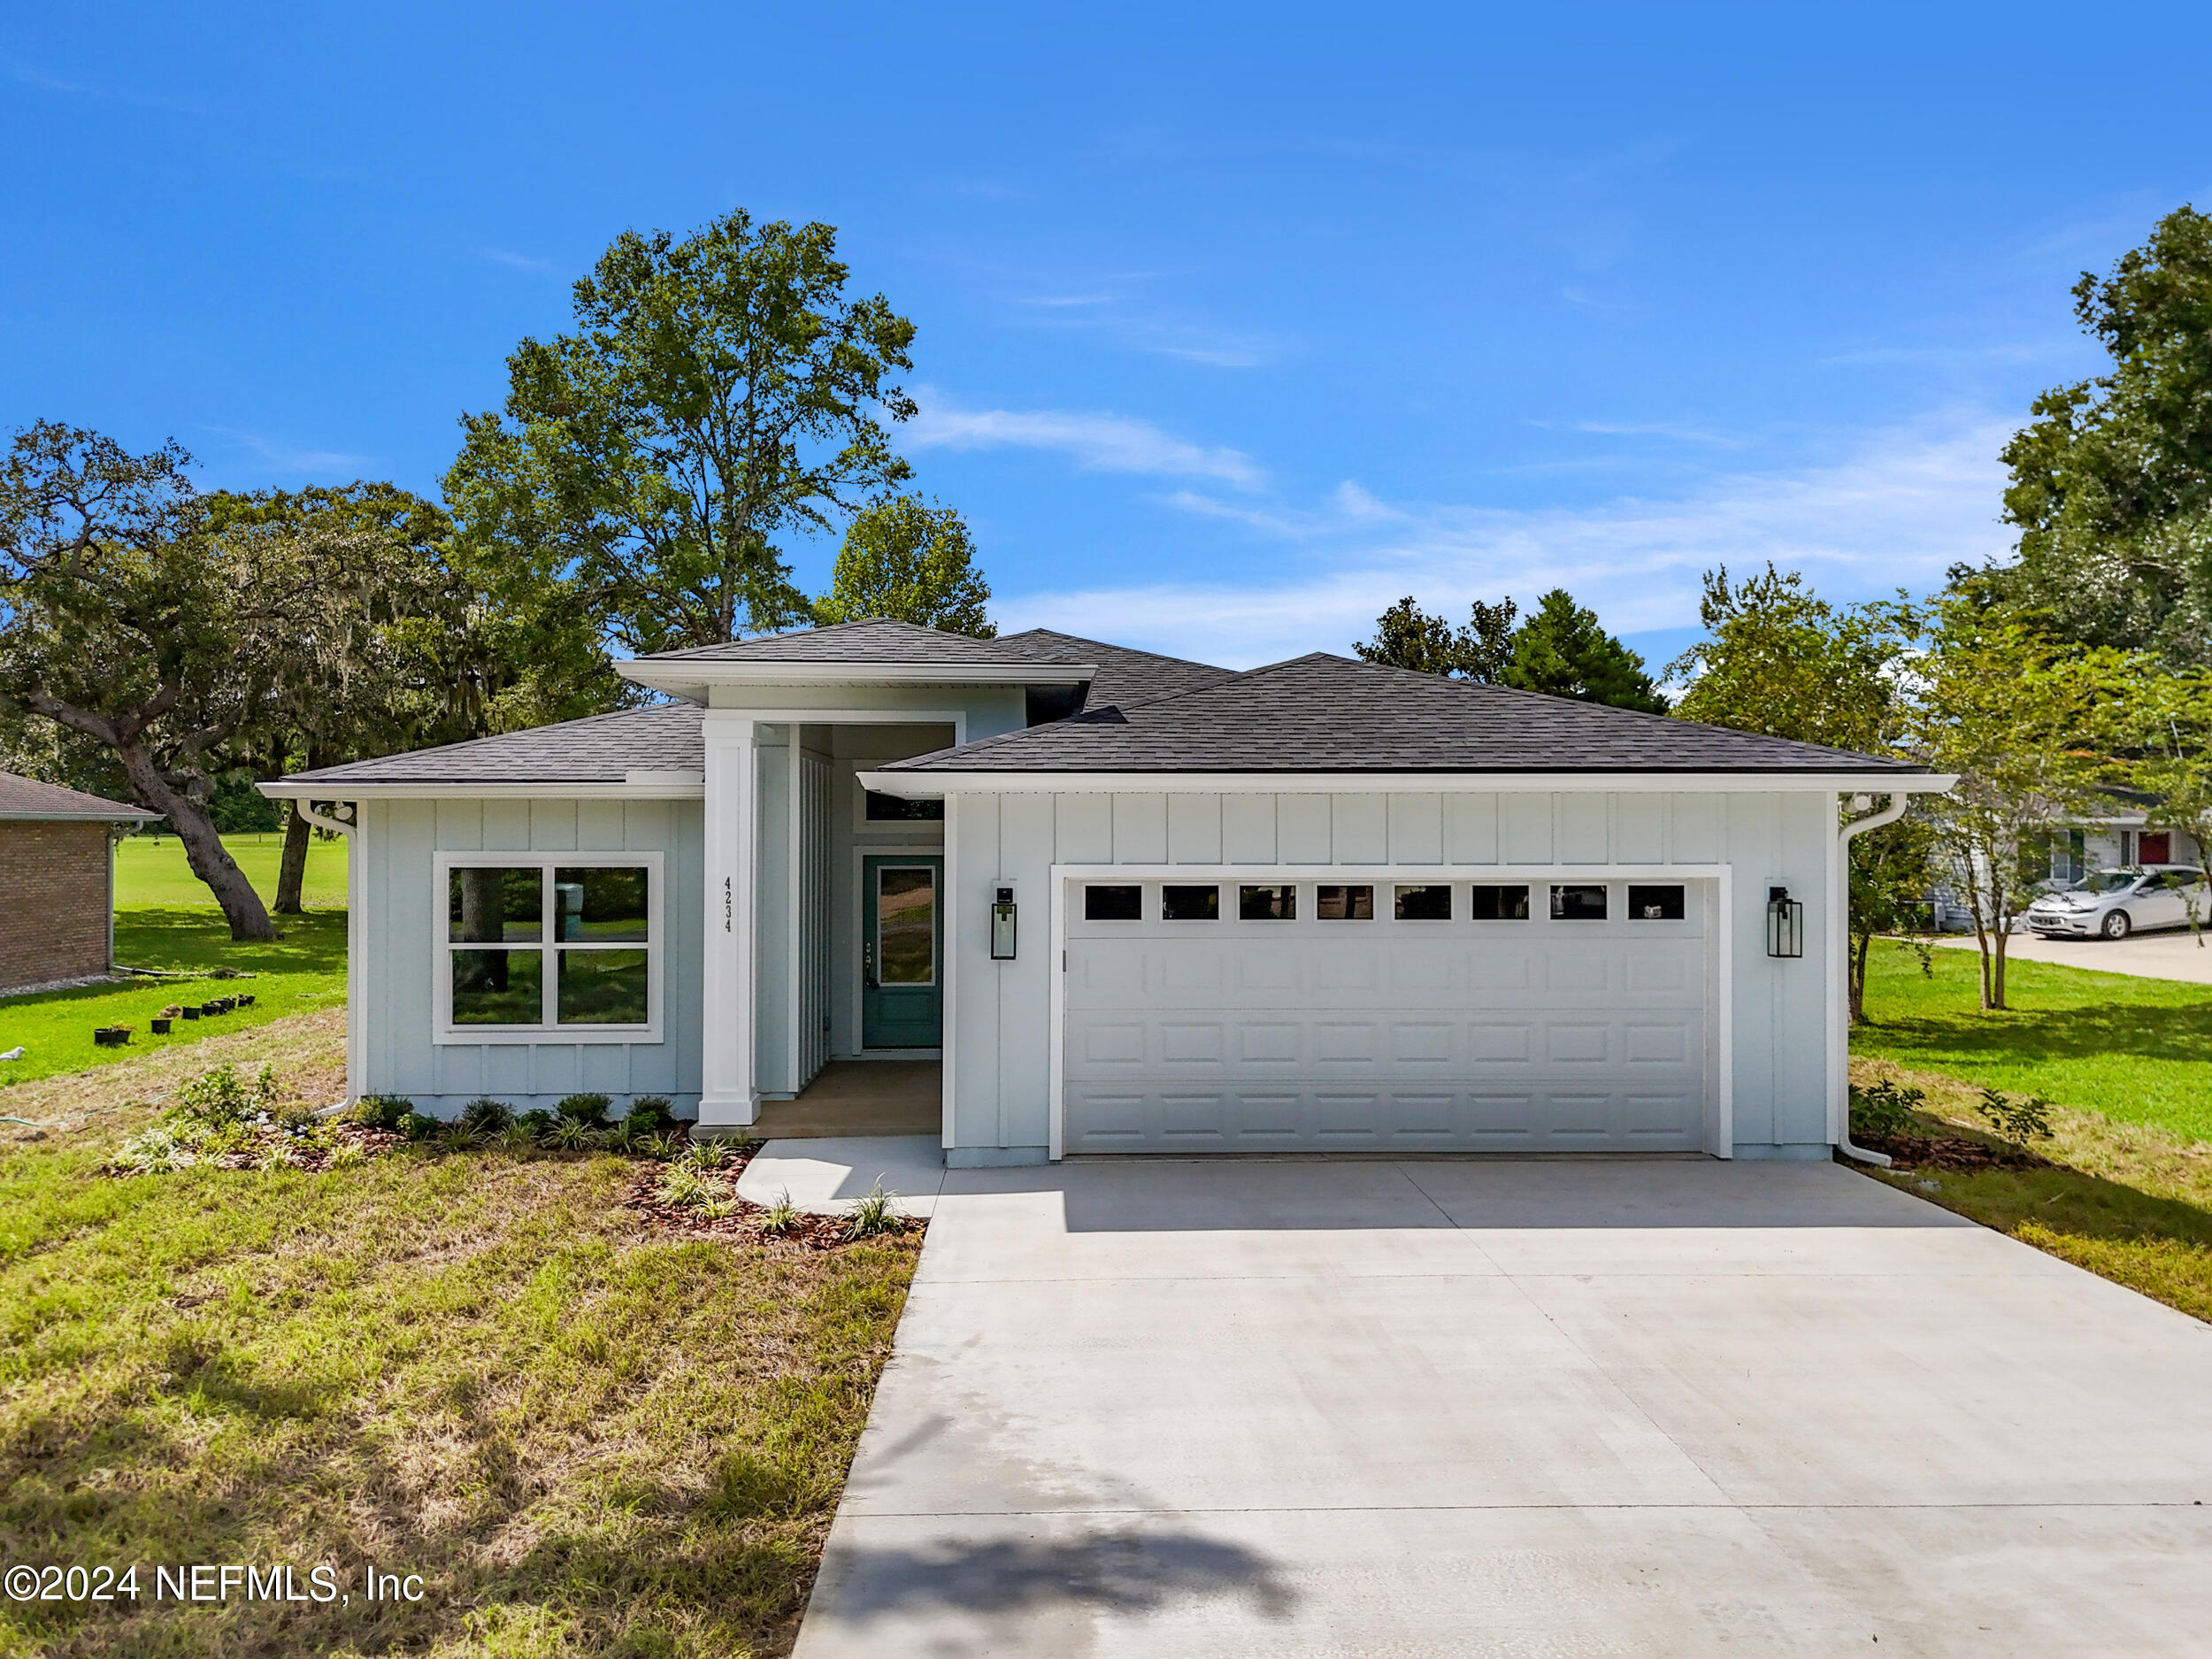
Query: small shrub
point(517, 1138)
point(780, 1216)
point(685, 1188)
point(588, 1110)
point(381, 1112)
point(649, 1115)
point(2018, 1119)
point(570, 1134)
point(537, 1120)
point(487, 1115)
point(416, 1126)
point(461, 1136)
point(704, 1154)
point(621, 1138)
point(874, 1213)
point(219, 1097)
point(1884, 1110)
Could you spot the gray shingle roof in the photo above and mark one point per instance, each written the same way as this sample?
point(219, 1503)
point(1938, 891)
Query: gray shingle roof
point(662, 737)
point(859, 642)
point(1124, 675)
point(1322, 713)
point(27, 798)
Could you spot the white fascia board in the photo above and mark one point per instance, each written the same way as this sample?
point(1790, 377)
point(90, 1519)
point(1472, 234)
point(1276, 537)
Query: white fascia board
point(334, 789)
point(936, 785)
point(692, 679)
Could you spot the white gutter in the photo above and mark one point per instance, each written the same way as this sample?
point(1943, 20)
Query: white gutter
point(1840, 1012)
point(930, 786)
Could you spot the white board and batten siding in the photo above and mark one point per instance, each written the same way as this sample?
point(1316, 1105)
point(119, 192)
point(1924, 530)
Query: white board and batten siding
point(1728, 848)
point(401, 915)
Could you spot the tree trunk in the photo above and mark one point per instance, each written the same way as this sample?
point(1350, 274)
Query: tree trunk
point(292, 872)
point(203, 847)
point(1999, 1000)
point(1858, 978)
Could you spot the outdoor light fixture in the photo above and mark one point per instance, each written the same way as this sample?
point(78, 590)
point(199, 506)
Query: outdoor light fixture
point(1785, 924)
point(1003, 924)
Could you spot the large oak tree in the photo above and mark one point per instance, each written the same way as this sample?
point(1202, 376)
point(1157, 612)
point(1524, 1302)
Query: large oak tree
point(721, 394)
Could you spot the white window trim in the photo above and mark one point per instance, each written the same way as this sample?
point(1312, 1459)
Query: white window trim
point(1720, 1116)
point(444, 1031)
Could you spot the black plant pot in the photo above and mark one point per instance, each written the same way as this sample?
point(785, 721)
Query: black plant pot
point(191, 1013)
point(160, 1025)
point(209, 1010)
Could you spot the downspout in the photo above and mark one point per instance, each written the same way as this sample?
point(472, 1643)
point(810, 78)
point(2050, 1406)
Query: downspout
point(1839, 906)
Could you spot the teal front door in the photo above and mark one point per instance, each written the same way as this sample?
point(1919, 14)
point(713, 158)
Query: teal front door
point(902, 951)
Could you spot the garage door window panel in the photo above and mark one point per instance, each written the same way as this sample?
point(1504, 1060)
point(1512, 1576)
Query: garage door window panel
point(1579, 901)
point(1278, 904)
point(1190, 904)
point(1492, 903)
point(1113, 903)
point(1427, 902)
point(1656, 903)
point(1344, 903)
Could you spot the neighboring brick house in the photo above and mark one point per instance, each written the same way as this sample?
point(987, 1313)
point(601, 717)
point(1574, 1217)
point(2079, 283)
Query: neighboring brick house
point(57, 881)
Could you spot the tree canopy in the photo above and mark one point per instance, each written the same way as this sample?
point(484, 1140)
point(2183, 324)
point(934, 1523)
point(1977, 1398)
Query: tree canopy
point(720, 394)
point(1559, 649)
point(911, 562)
point(1406, 636)
point(2111, 481)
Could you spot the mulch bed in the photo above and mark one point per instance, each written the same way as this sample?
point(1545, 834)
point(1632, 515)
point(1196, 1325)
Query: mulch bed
point(743, 1224)
point(1958, 1152)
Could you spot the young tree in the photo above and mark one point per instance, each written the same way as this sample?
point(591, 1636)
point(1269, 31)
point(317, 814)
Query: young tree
point(125, 620)
point(909, 562)
point(1562, 650)
point(1406, 636)
point(720, 393)
point(2112, 480)
point(2029, 723)
point(1777, 658)
point(2171, 758)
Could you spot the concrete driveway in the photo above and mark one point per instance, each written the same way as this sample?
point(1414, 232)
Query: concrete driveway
point(1513, 1408)
point(2173, 953)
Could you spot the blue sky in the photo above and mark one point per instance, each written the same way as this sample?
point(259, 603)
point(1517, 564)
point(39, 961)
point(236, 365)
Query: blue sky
point(1235, 323)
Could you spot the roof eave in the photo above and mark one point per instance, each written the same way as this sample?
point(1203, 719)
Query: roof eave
point(128, 815)
point(927, 785)
point(693, 680)
point(464, 788)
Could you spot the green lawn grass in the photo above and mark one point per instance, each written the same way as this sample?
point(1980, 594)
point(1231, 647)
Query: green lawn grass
point(586, 1436)
point(2135, 1050)
point(166, 918)
point(151, 870)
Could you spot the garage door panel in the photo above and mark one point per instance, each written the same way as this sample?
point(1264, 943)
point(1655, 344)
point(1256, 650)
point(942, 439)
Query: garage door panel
point(1383, 1035)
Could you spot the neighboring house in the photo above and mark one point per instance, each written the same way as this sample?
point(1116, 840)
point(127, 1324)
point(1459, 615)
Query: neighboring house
point(1133, 905)
point(2126, 833)
point(57, 881)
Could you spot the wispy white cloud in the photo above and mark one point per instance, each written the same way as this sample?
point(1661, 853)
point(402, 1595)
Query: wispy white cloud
point(517, 261)
point(1096, 442)
point(290, 459)
point(1681, 431)
point(1895, 509)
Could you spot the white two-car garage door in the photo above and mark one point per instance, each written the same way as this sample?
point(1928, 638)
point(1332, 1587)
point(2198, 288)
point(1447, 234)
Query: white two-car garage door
point(1265, 1013)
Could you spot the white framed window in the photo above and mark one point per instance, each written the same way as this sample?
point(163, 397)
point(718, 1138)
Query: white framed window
point(547, 946)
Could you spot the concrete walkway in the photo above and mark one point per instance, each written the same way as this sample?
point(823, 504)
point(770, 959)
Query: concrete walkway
point(1308, 1408)
point(823, 1176)
point(2161, 956)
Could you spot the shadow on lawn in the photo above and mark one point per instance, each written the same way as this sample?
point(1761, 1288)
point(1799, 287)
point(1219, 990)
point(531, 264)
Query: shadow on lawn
point(2024, 1036)
point(196, 939)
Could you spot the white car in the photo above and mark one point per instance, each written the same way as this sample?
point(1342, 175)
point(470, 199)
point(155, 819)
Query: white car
point(2113, 904)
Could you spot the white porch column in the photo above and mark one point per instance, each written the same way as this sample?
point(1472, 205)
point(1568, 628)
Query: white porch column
point(727, 1094)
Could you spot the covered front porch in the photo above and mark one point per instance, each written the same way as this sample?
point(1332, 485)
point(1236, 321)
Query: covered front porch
point(858, 1097)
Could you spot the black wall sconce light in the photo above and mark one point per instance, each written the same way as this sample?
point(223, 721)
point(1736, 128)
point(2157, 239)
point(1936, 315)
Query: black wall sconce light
point(1003, 923)
point(1785, 924)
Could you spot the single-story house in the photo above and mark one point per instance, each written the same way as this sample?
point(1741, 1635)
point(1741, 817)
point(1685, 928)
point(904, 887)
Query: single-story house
point(57, 881)
point(1127, 903)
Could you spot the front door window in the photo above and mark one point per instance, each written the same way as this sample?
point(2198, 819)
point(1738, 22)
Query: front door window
point(906, 925)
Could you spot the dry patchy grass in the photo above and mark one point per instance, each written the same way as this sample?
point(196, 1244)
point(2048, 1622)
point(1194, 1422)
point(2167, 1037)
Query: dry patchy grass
point(2128, 1200)
point(587, 1437)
